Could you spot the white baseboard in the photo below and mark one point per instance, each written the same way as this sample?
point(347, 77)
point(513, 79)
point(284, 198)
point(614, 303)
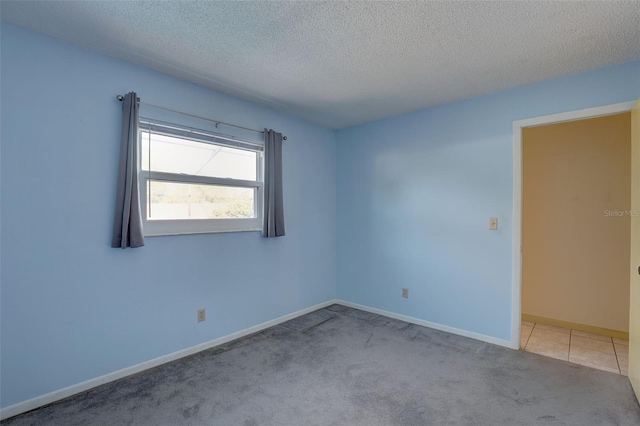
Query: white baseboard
point(39, 401)
point(412, 320)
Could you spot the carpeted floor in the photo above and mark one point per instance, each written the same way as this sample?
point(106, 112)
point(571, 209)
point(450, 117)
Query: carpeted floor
point(341, 366)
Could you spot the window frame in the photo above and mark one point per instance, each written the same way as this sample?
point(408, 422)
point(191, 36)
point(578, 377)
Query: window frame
point(159, 227)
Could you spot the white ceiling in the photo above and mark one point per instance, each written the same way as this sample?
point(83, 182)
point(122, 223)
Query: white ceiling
point(343, 63)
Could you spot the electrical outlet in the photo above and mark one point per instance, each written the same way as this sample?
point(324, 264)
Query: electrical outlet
point(202, 315)
point(405, 293)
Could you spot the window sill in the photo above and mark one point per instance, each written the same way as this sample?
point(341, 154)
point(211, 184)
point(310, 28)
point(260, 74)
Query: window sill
point(221, 231)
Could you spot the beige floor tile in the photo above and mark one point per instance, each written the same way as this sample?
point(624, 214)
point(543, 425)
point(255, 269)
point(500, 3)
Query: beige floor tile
point(553, 328)
point(549, 348)
point(579, 347)
point(623, 362)
point(545, 334)
point(525, 332)
point(593, 344)
point(593, 358)
point(622, 350)
point(590, 335)
point(620, 341)
point(596, 366)
point(527, 323)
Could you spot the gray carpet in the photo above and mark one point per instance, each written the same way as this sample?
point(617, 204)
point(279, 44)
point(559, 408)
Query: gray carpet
point(341, 366)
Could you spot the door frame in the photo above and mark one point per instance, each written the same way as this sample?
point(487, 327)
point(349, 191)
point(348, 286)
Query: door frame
point(518, 125)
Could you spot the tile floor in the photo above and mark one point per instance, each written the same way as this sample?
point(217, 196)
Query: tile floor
point(601, 352)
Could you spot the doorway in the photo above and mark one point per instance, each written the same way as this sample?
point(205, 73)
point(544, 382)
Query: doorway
point(561, 287)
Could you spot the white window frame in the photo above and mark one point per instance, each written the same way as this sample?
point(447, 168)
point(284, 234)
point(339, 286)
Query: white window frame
point(158, 227)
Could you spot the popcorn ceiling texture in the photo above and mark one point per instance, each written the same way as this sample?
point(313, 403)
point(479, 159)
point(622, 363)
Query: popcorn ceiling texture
point(343, 63)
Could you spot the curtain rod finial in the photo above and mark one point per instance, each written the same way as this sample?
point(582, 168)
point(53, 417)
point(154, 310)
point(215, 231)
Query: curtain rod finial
point(120, 97)
point(284, 138)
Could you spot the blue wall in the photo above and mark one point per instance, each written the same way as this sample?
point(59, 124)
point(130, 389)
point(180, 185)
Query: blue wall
point(72, 307)
point(415, 193)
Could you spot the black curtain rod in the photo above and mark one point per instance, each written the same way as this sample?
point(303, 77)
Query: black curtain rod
point(121, 98)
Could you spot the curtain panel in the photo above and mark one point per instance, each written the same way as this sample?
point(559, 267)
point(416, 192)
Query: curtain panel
point(273, 215)
point(127, 226)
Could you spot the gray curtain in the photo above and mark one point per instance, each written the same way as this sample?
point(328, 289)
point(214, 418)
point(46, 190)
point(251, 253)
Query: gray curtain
point(127, 226)
point(273, 216)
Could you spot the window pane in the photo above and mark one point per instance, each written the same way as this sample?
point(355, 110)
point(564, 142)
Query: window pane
point(172, 200)
point(175, 155)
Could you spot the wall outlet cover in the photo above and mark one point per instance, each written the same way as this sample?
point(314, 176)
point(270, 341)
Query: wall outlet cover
point(202, 315)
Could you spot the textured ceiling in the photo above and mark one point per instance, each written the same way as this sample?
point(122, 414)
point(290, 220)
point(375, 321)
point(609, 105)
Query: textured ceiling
point(345, 63)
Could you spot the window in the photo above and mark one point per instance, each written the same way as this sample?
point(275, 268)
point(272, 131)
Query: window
point(194, 181)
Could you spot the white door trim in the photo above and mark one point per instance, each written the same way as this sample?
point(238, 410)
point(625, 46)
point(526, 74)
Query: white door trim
point(516, 307)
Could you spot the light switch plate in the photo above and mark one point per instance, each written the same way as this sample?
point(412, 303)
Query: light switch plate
point(493, 223)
